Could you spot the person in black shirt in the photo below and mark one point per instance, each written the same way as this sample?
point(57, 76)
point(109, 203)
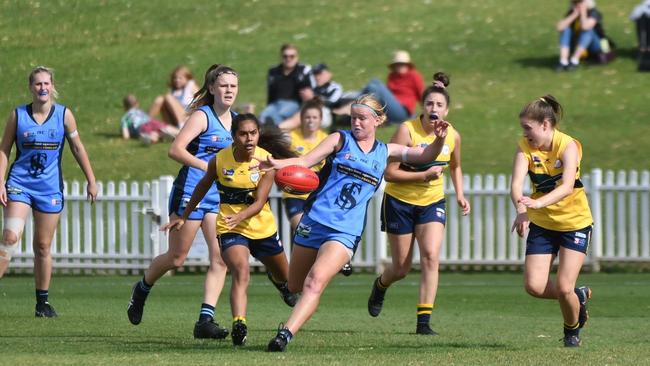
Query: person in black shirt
point(288, 85)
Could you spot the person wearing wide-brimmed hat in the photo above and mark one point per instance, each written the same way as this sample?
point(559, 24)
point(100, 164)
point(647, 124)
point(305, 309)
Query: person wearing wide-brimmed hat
point(403, 89)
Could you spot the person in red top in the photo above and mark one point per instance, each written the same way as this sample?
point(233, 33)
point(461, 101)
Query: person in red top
point(403, 90)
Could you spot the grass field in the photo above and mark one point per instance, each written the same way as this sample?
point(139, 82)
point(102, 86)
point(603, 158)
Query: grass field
point(500, 55)
point(482, 319)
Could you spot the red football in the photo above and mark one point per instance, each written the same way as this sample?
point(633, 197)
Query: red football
point(296, 179)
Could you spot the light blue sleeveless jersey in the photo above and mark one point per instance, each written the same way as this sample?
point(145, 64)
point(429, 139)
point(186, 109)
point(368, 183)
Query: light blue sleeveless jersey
point(348, 181)
point(204, 147)
point(37, 168)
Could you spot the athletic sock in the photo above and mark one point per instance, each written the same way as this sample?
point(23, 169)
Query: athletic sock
point(207, 312)
point(41, 296)
point(571, 329)
point(142, 289)
point(380, 285)
point(574, 61)
point(424, 313)
point(564, 62)
point(239, 318)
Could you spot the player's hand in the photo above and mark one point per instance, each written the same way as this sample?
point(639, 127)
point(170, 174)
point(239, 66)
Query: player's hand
point(3, 195)
point(433, 173)
point(91, 192)
point(440, 128)
point(464, 205)
point(232, 221)
point(269, 163)
point(520, 224)
point(174, 224)
point(530, 203)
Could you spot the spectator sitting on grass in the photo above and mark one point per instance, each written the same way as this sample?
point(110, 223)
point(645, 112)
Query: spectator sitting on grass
point(581, 30)
point(136, 123)
point(288, 85)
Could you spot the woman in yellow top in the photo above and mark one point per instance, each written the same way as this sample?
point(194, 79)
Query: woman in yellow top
point(556, 215)
point(303, 140)
point(414, 204)
point(245, 224)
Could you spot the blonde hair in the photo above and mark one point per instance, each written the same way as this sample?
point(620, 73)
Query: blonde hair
point(371, 101)
point(49, 71)
point(182, 69)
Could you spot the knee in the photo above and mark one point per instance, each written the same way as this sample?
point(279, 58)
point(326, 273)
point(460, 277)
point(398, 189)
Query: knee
point(42, 249)
point(314, 284)
point(534, 289)
point(241, 276)
point(10, 238)
point(430, 262)
point(177, 259)
point(217, 264)
point(159, 99)
point(564, 289)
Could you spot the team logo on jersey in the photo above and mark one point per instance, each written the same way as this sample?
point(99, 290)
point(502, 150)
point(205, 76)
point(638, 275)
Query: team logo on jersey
point(346, 199)
point(445, 150)
point(440, 212)
point(56, 201)
point(300, 149)
point(536, 159)
point(375, 165)
point(350, 157)
point(303, 230)
point(14, 190)
point(255, 176)
point(51, 133)
point(558, 163)
point(27, 134)
point(37, 164)
point(228, 172)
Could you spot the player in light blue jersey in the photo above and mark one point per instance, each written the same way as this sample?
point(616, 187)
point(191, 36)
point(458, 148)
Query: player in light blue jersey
point(35, 180)
point(331, 228)
point(206, 131)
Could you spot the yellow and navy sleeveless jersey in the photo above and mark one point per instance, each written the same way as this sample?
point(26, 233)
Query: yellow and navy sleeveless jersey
point(39, 147)
point(302, 147)
point(204, 147)
point(237, 182)
point(545, 172)
point(423, 193)
point(348, 180)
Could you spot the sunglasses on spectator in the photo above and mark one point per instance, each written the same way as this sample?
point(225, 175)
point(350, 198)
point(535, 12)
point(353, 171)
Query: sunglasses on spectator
point(289, 55)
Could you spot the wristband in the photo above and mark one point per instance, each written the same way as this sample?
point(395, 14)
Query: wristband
point(405, 152)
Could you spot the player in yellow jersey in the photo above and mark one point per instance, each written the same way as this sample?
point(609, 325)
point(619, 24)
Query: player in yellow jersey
point(303, 140)
point(556, 215)
point(414, 204)
point(245, 224)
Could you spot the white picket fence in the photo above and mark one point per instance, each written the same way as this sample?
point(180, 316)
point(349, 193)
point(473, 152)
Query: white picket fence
point(120, 232)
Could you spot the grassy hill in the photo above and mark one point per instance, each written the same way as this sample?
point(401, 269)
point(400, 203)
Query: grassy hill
point(499, 53)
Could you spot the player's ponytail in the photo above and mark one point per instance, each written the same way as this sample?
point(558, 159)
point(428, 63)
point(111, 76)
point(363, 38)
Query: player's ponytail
point(272, 139)
point(439, 85)
point(543, 108)
point(203, 96)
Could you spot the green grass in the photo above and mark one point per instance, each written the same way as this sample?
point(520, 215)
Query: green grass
point(499, 53)
point(482, 319)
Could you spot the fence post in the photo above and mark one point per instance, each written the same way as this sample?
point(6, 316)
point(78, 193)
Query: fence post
point(596, 210)
point(160, 190)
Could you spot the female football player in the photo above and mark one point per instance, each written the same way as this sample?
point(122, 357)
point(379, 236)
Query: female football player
point(414, 204)
point(35, 181)
point(556, 215)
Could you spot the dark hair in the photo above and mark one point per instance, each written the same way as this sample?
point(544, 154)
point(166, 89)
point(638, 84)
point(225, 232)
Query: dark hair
point(314, 103)
point(272, 139)
point(439, 77)
point(546, 107)
point(288, 46)
point(203, 96)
